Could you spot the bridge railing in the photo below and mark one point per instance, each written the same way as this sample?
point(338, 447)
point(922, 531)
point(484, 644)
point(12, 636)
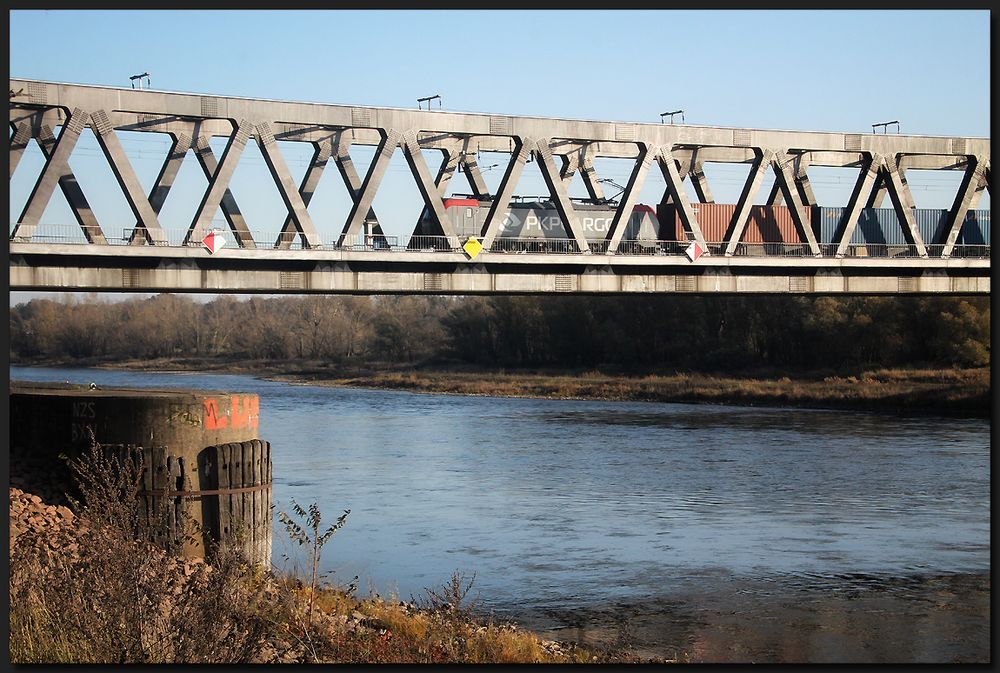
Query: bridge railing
point(74, 234)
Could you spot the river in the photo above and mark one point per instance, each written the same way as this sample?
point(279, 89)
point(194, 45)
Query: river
point(702, 532)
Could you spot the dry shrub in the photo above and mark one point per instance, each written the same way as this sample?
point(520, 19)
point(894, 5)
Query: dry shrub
point(119, 599)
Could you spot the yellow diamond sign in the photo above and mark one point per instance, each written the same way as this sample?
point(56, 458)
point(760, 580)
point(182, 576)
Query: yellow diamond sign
point(472, 248)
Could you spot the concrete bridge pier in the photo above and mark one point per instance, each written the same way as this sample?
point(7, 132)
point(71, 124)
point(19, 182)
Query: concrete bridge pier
point(203, 460)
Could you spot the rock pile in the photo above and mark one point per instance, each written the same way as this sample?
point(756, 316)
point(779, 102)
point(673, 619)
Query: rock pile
point(53, 526)
point(54, 530)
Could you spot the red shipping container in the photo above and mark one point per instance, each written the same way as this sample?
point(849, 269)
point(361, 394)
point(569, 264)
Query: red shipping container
point(768, 224)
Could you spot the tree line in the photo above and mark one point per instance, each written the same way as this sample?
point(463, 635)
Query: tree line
point(628, 333)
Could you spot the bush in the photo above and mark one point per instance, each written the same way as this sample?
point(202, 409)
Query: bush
point(119, 599)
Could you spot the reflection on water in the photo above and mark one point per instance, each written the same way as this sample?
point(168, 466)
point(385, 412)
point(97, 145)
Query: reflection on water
point(822, 532)
point(935, 618)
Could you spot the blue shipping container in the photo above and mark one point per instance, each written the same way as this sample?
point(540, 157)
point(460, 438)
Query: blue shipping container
point(976, 228)
point(880, 226)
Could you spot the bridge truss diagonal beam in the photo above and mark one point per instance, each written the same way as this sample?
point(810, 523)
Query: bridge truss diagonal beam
point(432, 195)
point(71, 189)
point(974, 183)
point(589, 174)
point(55, 167)
point(570, 165)
point(902, 202)
point(451, 162)
point(179, 146)
point(218, 184)
point(560, 197)
point(353, 182)
point(286, 186)
point(859, 196)
point(500, 207)
point(366, 194)
point(469, 165)
point(693, 169)
point(671, 176)
point(125, 174)
point(741, 216)
point(322, 151)
point(18, 143)
point(234, 216)
point(879, 192)
point(623, 214)
point(802, 185)
point(700, 182)
point(786, 182)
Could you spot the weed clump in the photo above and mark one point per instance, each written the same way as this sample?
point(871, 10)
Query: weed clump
point(117, 598)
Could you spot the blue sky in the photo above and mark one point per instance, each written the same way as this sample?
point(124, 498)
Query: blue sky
point(805, 70)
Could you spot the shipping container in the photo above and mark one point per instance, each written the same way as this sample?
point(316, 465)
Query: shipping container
point(767, 224)
point(976, 228)
point(881, 226)
point(932, 224)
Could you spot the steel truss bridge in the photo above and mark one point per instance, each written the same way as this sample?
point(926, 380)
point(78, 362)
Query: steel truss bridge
point(143, 256)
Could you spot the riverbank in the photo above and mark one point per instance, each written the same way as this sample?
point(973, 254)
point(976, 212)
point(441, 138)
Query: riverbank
point(949, 392)
point(68, 604)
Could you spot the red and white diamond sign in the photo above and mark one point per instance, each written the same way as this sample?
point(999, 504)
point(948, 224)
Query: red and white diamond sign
point(213, 242)
point(693, 251)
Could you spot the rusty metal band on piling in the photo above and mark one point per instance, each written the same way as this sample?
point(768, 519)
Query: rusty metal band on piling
point(198, 494)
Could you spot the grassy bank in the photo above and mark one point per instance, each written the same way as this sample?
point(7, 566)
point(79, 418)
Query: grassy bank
point(957, 392)
point(960, 392)
point(87, 587)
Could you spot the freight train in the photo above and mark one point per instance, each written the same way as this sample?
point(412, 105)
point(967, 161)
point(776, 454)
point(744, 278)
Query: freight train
point(537, 220)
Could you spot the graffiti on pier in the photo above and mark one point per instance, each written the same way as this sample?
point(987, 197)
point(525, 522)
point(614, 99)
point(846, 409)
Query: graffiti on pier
point(239, 411)
point(183, 414)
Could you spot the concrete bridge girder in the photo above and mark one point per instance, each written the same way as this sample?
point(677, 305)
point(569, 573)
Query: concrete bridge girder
point(680, 151)
point(344, 272)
